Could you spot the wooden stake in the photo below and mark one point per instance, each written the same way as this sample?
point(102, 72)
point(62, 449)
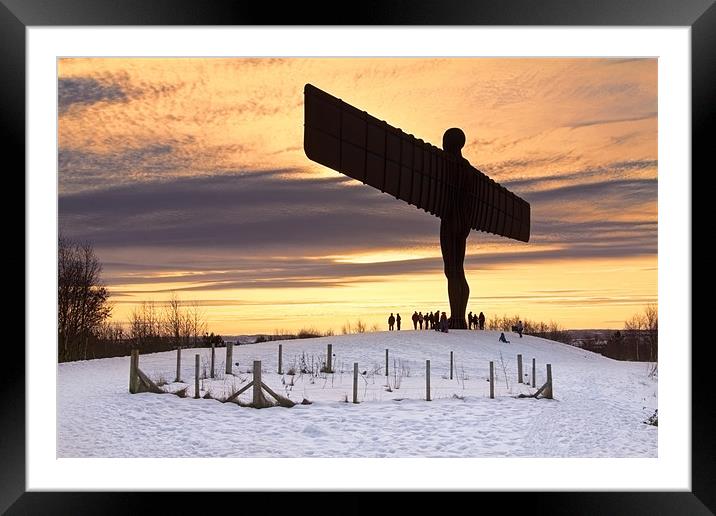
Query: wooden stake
point(534, 373)
point(258, 396)
point(145, 384)
point(133, 366)
point(196, 376)
point(355, 382)
point(386, 362)
point(451, 365)
point(282, 401)
point(178, 377)
point(548, 391)
point(213, 358)
point(427, 380)
point(280, 359)
point(329, 358)
point(229, 357)
point(492, 380)
point(519, 369)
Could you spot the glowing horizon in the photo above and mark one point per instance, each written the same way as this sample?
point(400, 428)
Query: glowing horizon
point(188, 175)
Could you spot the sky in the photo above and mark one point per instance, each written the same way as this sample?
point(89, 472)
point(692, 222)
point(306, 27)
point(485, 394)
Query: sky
point(189, 177)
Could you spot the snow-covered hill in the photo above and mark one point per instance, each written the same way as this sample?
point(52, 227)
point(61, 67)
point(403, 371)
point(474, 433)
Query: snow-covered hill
point(598, 410)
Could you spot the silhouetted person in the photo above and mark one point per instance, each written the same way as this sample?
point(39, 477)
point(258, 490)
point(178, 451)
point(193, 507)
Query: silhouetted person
point(444, 323)
point(415, 320)
point(481, 320)
point(430, 322)
point(469, 321)
point(391, 322)
point(426, 320)
point(397, 321)
point(520, 328)
point(503, 338)
point(420, 320)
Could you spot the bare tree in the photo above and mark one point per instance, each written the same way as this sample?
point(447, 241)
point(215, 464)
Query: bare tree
point(643, 331)
point(196, 322)
point(651, 320)
point(144, 323)
point(173, 320)
point(82, 300)
point(644, 328)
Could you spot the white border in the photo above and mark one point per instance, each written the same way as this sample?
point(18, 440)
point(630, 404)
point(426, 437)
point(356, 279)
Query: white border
point(671, 471)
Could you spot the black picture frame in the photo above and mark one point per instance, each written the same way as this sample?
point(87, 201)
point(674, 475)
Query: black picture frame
point(699, 15)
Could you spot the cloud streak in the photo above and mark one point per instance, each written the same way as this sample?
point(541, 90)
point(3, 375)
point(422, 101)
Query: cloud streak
point(85, 91)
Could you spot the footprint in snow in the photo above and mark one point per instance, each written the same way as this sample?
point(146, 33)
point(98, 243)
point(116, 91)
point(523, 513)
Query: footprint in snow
point(313, 431)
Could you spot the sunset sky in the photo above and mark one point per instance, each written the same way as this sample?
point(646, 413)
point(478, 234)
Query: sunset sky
point(189, 175)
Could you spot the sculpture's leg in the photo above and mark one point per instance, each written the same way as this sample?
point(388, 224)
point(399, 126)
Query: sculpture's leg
point(452, 243)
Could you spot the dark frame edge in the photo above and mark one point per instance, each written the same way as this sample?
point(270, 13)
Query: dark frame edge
point(703, 126)
point(12, 136)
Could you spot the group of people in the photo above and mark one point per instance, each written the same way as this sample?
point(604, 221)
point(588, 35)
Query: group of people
point(475, 322)
point(392, 321)
point(437, 321)
point(430, 320)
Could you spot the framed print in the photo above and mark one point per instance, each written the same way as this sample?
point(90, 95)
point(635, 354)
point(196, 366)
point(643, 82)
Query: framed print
point(236, 208)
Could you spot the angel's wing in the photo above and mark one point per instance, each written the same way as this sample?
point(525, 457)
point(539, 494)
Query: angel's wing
point(360, 146)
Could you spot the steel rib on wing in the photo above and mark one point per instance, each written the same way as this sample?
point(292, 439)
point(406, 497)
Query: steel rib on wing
point(370, 150)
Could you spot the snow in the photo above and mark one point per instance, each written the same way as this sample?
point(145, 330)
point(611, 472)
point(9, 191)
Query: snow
point(598, 410)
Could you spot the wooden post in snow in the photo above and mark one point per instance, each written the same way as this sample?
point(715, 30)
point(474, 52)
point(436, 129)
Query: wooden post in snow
point(492, 380)
point(427, 380)
point(213, 358)
point(386, 362)
point(548, 391)
point(451, 362)
point(196, 375)
point(534, 373)
point(280, 359)
point(178, 377)
point(229, 357)
point(355, 382)
point(258, 397)
point(329, 358)
point(133, 376)
point(520, 379)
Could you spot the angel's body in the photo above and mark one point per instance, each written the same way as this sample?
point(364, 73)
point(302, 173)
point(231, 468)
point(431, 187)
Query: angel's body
point(454, 230)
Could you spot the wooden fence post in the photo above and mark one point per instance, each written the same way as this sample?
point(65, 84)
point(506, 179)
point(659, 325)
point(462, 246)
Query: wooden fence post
point(386, 362)
point(258, 401)
point(451, 365)
point(133, 366)
point(178, 378)
point(427, 380)
point(280, 359)
point(492, 380)
point(519, 369)
point(534, 373)
point(329, 358)
point(355, 382)
point(229, 357)
point(196, 375)
point(213, 358)
point(548, 391)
